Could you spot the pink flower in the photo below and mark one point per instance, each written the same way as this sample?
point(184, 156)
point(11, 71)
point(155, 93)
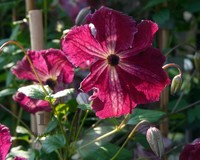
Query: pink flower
point(52, 67)
point(31, 105)
point(125, 69)
point(191, 151)
point(5, 141)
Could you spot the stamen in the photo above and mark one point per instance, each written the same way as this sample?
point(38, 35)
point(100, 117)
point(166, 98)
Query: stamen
point(113, 59)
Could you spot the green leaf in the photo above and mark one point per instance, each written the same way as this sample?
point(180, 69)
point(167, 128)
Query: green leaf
point(62, 109)
point(105, 152)
point(7, 92)
point(85, 107)
point(62, 93)
point(52, 143)
point(35, 91)
point(162, 16)
point(153, 3)
point(193, 6)
point(145, 114)
point(22, 130)
point(51, 125)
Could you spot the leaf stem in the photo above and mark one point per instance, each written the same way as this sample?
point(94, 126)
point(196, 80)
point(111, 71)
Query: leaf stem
point(128, 138)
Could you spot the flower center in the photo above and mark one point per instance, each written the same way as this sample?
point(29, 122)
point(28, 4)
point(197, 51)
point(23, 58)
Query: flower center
point(51, 83)
point(113, 59)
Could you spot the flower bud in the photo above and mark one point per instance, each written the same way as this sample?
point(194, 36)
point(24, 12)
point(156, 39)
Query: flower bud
point(82, 98)
point(197, 61)
point(80, 19)
point(155, 141)
point(176, 84)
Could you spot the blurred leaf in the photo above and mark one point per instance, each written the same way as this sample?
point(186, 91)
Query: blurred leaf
point(193, 6)
point(15, 32)
point(85, 107)
point(9, 78)
point(22, 130)
point(35, 91)
point(62, 93)
point(7, 92)
point(153, 3)
point(52, 143)
point(144, 114)
point(191, 115)
point(62, 109)
point(105, 152)
point(162, 16)
point(51, 125)
point(72, 104)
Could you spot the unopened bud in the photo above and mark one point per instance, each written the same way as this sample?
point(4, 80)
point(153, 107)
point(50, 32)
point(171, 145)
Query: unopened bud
point(82, 98)
point(176, 84)
point(81, 17)
point(197, 61)
point(155, 141)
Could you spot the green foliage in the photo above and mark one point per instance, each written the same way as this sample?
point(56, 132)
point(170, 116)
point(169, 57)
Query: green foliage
point(54, 142)
point(145, 114)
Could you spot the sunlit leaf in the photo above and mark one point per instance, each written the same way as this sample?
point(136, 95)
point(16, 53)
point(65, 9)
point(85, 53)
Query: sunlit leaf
point(144, 114)
point(52, 143)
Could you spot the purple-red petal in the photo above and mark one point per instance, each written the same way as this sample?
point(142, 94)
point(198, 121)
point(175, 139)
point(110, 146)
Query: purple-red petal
point(31, 105)
point(143, 38)
point(49, 64)
point(5, 141)
point(114, 29)
point(23, 69)
point(80, 46)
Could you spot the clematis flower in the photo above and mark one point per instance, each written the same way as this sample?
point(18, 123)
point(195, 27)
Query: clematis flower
point(126, 70)
point(52, 66)
point(5, 141)
point(31, 105)
point(191, 151)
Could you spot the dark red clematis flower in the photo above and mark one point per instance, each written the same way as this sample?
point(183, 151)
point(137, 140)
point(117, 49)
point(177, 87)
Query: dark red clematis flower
point(125, 69)
point(191, 151)
point(52, 67)
point(31, 105)
point(5, 141)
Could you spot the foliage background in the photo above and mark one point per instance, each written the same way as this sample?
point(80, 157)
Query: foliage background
point(180, 19)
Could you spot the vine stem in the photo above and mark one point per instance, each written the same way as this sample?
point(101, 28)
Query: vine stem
point(165, 67)
point(117, 129)
point(128, 138)
point(82, 123)
point(18, 118)
point(28, 58)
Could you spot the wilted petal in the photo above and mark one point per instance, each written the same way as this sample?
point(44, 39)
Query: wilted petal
point(114, 29)
point(81, 47)
point(191, 151)
point(5, 141)
point(31, 105)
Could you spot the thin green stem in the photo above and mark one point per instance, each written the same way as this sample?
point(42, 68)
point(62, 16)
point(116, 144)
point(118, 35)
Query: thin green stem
point(82, 123)
point(28, 58)
point(45, 21)
point(24, 124)
point(117, 129)
point(128, 138)
point(178, 45)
